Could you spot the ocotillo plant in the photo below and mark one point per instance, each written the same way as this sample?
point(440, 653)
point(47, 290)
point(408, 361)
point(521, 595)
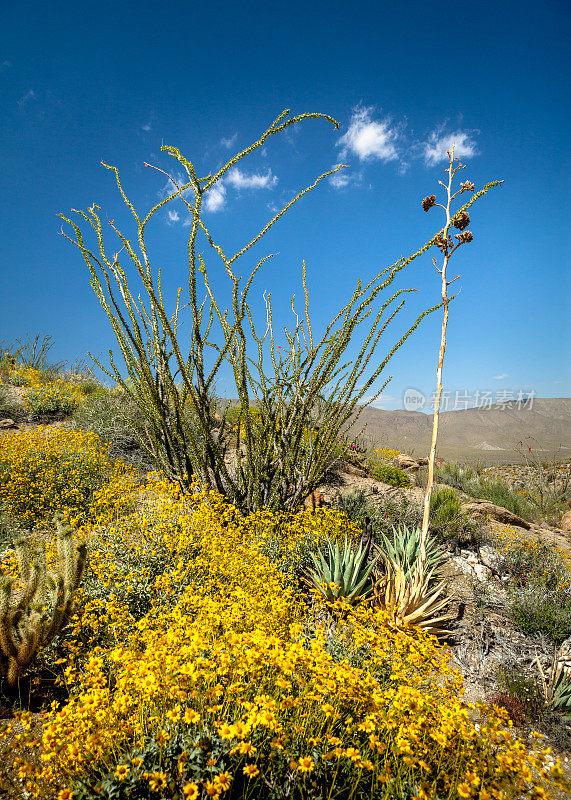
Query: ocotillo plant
point(45, 603)
point(446, 244)
point(282, 453)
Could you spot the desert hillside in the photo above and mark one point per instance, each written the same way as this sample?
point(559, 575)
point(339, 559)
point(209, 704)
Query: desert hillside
point(489, 435)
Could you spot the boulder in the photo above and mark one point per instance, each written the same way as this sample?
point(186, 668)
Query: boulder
point(351, 469)
point(483, 508)
point(492, 559)
point(402, 461)
point(565, 520)
point(7, 423)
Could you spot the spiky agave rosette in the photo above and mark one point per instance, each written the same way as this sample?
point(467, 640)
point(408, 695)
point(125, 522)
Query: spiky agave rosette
point(412, 602)
point(557, 693)
point(407, 589)
point(340, 574)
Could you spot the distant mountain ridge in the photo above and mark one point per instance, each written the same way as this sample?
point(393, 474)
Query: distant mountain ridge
point(489, 435)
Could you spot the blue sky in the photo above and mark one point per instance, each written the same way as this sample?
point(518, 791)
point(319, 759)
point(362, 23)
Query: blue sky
point(81, 83)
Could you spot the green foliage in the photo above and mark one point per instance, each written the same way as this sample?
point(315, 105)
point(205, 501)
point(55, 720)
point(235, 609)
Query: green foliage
point(341, 574)
point(391, 475)
point(475, 484)
point(535, 610)
point(446, 515)
point(405, 550)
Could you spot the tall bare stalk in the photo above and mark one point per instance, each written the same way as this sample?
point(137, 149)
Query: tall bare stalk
point(446, 244)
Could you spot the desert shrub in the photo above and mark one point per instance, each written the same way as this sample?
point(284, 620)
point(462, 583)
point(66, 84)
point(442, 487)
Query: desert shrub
point(24, 376)
point(394, 476)
point(519, 693)
point(52, 398)
point(445, 507)
point(534, 562)
point(356, 506)
point(475, 484)
point(43, 471)
point(114, 418)
point(447, 520)
point(515, 707)
point(535, 610)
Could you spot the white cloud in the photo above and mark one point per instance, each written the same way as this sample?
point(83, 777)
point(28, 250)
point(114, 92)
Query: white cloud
point(27, 98)
point(343, 178)
point(216, 198)
point(146, 127)
point(228, 143)
point(369, 138)
point(382, 402)
point(501, 377)
point(240, 180)
point(439, 142)
point(174, 216)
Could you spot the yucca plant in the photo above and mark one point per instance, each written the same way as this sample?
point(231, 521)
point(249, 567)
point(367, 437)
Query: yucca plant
point(557, 692)
point(342, 574)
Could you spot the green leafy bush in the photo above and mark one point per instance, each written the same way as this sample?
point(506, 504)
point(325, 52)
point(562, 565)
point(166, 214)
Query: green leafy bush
point(535, 610)
point(391, 475)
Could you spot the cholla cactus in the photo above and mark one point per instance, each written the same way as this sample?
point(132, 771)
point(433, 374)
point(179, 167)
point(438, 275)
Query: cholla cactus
point(45, 603)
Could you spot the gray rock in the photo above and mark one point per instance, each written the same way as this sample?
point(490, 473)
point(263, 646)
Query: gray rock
point(7, 423)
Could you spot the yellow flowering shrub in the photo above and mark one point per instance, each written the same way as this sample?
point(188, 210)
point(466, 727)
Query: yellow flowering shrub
point(25, 376)
point(229, 686)
point(43, 471)
point(58, 395)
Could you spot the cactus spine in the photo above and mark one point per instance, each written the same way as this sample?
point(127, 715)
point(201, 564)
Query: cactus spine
point(45, 603)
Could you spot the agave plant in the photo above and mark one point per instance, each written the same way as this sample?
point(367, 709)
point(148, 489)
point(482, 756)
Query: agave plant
point(410, 601)
point(341, 573)
point(557, 693)
point(406, 551)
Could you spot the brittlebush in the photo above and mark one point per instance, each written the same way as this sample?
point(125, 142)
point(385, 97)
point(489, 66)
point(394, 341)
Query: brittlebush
point(229, 687)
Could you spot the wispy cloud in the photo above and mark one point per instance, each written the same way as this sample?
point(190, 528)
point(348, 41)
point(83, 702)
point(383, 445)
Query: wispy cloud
point(501, 377)
point(440, 141)
point(173, 216)
point(146, 127)
point(216, 198)
point(369, 138)
point(29, 97)
point(230, 142)
point(5, 66)
point(240, 180)
point(343, 178)
point(383, 401)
